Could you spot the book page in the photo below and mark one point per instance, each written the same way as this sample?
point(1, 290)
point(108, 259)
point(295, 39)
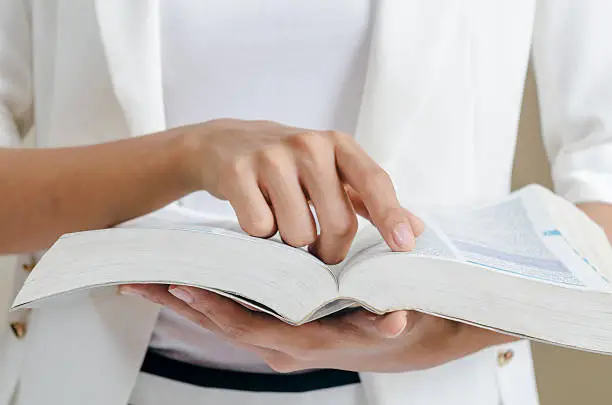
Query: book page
point(518, 236)
point(432, 243)
point(177, 217)
point(169, 248)
point(174, 216)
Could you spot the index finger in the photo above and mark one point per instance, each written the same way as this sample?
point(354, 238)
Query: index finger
point(376, 190)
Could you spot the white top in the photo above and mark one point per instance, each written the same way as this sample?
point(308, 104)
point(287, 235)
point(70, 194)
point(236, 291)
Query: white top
point(440, 110)
point(300, 63)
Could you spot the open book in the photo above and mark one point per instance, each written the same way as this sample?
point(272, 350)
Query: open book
point(532, 265)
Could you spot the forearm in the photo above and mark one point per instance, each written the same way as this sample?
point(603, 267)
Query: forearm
point(600, 213)
point(48, 192)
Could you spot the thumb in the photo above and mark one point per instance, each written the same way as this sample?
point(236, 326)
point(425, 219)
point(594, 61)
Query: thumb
point(395, 324)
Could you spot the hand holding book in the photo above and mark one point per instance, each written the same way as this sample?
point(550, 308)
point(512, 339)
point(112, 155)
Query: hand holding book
point(358, 340)
point(271, 173)
point(531, 265)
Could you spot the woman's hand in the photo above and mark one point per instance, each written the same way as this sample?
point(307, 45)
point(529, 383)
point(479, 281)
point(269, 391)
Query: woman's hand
point(271, 173)
point(358, 341)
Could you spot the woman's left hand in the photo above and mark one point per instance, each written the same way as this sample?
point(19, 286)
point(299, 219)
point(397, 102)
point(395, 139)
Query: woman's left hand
point(358, 341)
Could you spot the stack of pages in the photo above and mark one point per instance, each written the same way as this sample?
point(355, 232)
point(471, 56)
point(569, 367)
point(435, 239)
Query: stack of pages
point(531, 265)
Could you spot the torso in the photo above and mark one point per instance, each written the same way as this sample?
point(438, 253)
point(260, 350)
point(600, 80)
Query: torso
point(299, 63)
point(443, 94)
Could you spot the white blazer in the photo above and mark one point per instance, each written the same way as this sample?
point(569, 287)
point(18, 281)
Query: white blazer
point(442, 102)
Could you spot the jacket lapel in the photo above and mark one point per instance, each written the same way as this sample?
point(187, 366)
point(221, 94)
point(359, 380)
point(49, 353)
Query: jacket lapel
point(419, 88)
point(112, 332)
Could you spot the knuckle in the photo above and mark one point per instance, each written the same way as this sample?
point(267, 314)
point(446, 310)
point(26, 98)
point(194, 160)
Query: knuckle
point(311, 143)
point(238, 166)
point(274, 158)
point(261, 226)
point(235, 168)
point(375, 179)
point(299, 239)
point(339, 136)
point(238, 332)
point(343, 226)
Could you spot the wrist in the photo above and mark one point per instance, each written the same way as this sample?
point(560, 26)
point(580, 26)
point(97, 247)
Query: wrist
point(186, 156)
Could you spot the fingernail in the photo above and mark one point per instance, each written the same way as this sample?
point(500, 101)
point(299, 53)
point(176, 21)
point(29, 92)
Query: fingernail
point(182, 294)
point(129, 292)
point(402, 234)
point(401, 327)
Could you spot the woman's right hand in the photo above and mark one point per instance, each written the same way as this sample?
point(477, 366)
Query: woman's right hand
point(270, 173)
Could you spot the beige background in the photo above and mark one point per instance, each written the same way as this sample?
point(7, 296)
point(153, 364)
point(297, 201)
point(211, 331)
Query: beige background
point(564, 376)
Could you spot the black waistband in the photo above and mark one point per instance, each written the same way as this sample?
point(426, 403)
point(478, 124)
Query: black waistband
point(162, 366)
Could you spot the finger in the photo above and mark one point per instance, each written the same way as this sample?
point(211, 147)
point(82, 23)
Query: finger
point(254, 214)
point(233, 321)
point(418, 227)
point(161, 295)
point(391, 325)
point(377, 192)
point(363, 320)
point(291, 210)
point(476, 338)
point(357, 202)
point(452, 340)
point(158, 293)
point(310, 341)
point(395, 324)
point(337, 220)
point(152, 292)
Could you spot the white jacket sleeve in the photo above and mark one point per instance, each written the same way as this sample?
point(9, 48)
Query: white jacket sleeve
point(572, 55)
point(15, 71)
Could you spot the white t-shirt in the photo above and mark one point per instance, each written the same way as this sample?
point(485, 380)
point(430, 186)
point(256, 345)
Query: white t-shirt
point(300, 63)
